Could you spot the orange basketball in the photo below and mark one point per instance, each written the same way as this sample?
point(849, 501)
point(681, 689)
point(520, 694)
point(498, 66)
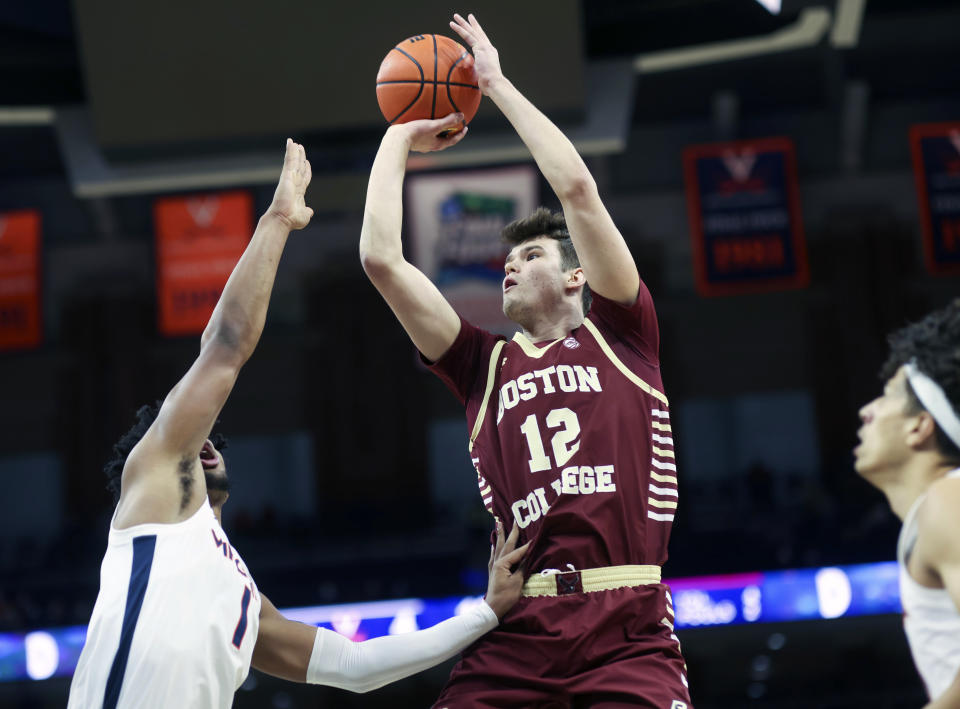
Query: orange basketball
point(427, 76)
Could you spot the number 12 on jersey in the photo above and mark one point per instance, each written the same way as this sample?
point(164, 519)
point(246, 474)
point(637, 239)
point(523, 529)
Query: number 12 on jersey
point(564, 442)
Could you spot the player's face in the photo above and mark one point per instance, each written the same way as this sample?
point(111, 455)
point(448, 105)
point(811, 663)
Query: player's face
point(533, 278)
point(883, 434)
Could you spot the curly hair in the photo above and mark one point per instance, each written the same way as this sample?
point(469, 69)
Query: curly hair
point(543, 222)
point(146, 415)
point(933, 343)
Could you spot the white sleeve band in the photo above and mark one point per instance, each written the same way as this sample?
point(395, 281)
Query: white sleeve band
point(360, 667)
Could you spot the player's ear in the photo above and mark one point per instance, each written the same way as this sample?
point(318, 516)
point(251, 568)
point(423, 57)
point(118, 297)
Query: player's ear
point(576, 277)
point(921, 430)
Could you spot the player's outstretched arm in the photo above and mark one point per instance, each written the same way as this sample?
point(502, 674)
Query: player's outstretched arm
point(603, 253)
point(148, 490)
point(303, 653)
point(939, 534)
point(425, 314)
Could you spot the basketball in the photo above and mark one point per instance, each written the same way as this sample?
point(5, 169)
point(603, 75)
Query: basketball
point(427, 76)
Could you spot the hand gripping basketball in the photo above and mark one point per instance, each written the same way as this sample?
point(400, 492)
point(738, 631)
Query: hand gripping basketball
point(427, 76)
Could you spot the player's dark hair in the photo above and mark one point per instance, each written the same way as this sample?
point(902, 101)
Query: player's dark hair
point(933, 344)
point(146, 415)
point(543, 222)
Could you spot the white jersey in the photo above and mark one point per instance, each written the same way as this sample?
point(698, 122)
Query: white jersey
point(175, 622)
point(930, 617)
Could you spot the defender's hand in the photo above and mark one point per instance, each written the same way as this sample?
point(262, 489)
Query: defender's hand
point(427, 136)
point(505, 582)
point(485, 57)
point(288, 203)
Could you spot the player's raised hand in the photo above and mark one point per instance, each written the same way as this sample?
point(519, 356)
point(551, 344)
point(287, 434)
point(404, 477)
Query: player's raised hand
point(427, 136)
point(486, 59)
point(505, 580)
point(288, 203)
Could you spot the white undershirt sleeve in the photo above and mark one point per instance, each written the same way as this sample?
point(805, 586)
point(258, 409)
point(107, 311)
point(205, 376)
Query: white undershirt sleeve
point(363, 666)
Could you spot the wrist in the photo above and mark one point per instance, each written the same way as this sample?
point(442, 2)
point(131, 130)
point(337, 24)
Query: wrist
point(399, 133)
point(495, 86)
point(275, 217)
point(498, 607)
point(490, 614)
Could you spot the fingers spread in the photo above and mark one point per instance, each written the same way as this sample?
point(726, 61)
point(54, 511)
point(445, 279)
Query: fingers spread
point(499, 549)
point(514, 535)
point(514, 557)
point(475, 26)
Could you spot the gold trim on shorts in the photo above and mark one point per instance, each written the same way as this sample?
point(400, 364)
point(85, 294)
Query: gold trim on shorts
point(602, 579)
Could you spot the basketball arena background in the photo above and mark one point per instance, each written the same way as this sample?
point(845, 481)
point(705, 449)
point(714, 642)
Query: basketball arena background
point(128, 128)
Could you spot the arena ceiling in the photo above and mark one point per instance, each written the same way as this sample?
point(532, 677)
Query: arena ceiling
point(902, 51)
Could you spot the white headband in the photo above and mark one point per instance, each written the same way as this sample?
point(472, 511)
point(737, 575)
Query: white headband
point(934, 401)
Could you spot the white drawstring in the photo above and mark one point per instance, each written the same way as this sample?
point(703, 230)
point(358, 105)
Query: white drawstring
point(551, 572)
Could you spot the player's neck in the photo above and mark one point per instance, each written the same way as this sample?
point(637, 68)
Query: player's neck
point(911, 481)
point(553, 326)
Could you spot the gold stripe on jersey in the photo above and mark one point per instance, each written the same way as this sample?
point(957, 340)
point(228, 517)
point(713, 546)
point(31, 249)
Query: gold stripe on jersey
point(663, 478)
point(491, 375)
point(592, 329)
point(662, 504)
point(662, 451)
point(530, 349)
point(661, 426)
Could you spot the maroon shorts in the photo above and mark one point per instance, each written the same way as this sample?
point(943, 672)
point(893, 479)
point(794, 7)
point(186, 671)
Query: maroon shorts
point(598, 649)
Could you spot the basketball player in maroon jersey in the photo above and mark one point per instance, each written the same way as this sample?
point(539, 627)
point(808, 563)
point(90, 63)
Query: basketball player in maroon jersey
point(569, 427)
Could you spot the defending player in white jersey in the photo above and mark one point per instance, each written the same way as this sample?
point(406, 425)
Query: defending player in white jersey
point(910, 450)
point(179, 619)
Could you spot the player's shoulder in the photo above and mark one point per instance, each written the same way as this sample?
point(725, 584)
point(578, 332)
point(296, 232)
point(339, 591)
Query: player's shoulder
point(944, 492)
point(937, 519)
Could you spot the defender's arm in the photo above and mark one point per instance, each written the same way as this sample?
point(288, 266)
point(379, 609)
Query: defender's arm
point(148, 490)
point(302, 653)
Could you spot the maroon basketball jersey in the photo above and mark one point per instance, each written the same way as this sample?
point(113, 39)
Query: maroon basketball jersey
point(572, 438)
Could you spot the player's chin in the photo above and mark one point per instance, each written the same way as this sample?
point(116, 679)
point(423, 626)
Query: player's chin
point(217, 480)
point(861, 463)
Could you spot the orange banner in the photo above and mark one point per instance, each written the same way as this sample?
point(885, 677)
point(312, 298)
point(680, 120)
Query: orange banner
point(199, 240)
point(20, 280)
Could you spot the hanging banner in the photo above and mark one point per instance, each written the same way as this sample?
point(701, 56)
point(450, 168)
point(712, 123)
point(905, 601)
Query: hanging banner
point(936, 168)
point(20, 322)
point(199, 240)
point(745, 223)
point(455, 223)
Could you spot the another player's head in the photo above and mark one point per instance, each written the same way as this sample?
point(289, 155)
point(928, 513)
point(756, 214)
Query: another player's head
point(916, 421)
point(557, 278)
point(211, 458)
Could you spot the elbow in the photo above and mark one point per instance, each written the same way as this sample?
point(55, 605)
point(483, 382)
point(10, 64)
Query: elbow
point(228, 342)
point(579, 190)
point(377, 266)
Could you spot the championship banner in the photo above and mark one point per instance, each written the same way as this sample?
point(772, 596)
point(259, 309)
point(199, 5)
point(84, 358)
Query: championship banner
point(199, 240)
point(20, 280)
point(936, 167)
point(455, 221)
point(745, 223)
